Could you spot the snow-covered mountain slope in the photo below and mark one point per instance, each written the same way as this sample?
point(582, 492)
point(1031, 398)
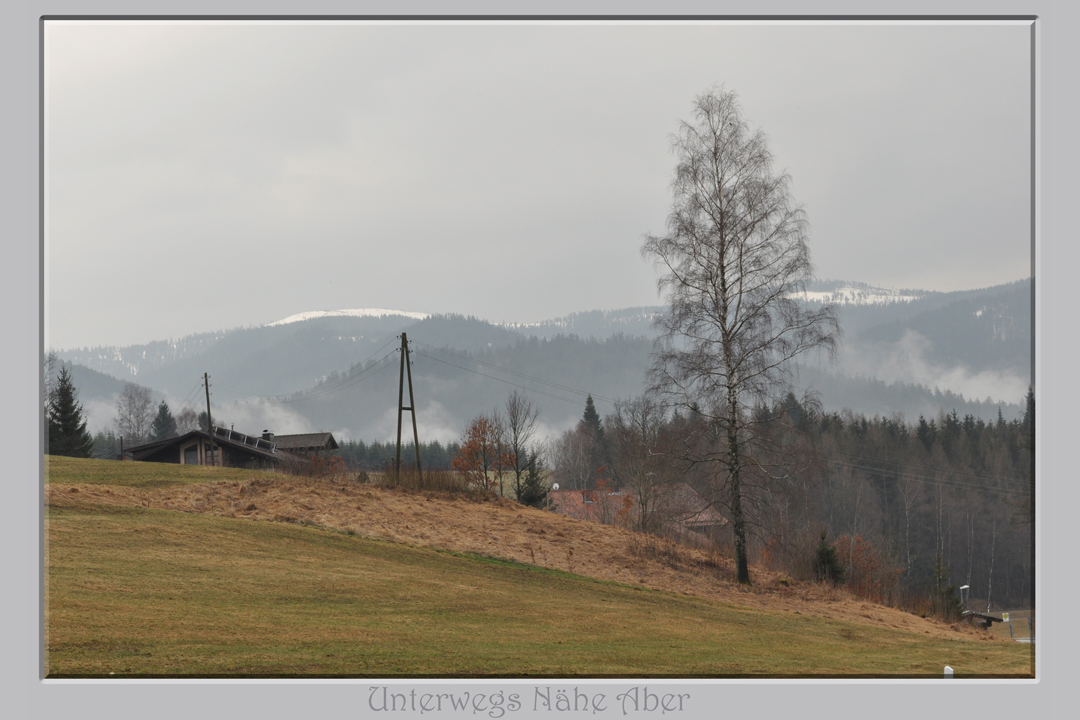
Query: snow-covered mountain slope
point(634, 321)
point(860, 295)
point(356, 312)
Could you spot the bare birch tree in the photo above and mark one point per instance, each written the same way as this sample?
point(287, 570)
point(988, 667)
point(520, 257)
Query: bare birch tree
point(134, 413)
point(733, 261)
point(519, 427)
point(637, 462)
point(570, 457)
point(186, 421)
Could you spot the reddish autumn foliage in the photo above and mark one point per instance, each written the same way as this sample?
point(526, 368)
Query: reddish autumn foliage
point(481, 453)
point(868, 574)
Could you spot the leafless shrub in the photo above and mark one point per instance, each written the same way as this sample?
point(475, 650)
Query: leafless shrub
point(440, 481)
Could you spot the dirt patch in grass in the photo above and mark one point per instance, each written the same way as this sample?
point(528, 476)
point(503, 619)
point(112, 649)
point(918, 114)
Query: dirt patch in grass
point(502, 529)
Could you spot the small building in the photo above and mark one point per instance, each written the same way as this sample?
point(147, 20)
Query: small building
point(676, 509)
point(602, 506)
point(688, 508)
point(225, 448)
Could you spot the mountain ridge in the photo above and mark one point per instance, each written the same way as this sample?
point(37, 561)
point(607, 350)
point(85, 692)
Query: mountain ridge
point(910, 357)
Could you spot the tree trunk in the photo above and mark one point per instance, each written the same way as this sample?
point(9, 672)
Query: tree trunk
point(990, 577)
point(971, 544)
point(738, 522)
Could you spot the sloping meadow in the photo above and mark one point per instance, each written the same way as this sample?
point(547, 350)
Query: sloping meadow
point(204, 572)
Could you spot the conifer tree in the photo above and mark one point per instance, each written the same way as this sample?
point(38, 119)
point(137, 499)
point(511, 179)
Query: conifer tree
point(1029, 413)
point(66, 420)
point(827, 565)
point(591, 418)
point(164, 426)
point(597, 450)
point(534, 492)
point(926, 432)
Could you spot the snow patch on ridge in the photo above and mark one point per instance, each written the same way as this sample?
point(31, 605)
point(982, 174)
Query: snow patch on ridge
point(849, 295)
point(356, 312)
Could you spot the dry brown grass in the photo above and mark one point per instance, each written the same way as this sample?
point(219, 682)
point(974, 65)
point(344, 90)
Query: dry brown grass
point(492, 526)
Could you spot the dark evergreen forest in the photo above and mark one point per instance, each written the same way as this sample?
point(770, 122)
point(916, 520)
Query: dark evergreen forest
point(378, 456)
point(949, 493)
point(913, 510)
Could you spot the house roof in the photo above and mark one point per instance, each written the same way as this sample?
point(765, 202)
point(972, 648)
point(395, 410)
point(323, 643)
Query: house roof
point(322, 440)
point(692, 507)
point(584, 504)
point(678, 501)
point(255, 441)
point(140, 451)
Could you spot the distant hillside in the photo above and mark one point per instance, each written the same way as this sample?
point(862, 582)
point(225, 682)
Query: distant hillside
point(338, 371)
point(129, 361)
point(453, 386)
point(856, 318)
point(983, 329)
point(599, 324)
point(91, 384)
point(267, 360)
point(871, 397)
point(839, 292)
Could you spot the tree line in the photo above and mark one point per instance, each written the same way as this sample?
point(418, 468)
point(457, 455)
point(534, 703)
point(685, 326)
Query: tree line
point(909, 508)
point(378, 456)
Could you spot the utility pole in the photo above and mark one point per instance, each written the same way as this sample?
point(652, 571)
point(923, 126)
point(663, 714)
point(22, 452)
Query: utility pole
point(209, 421)
point(406, 368)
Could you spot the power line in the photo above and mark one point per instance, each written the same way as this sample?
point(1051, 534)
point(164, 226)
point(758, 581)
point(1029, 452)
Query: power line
point(931, 481)
point(344, 379)
point(319, 391)
point(349, 380)
point(559, 386)
point(1014, 482)
point(355, 379)
point(341, 383)
point(502, 380)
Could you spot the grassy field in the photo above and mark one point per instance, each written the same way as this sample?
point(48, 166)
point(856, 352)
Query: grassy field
point(141, 592)
point(137, 474)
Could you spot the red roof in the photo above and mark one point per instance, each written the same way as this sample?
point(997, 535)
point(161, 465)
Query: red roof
point(679, 502)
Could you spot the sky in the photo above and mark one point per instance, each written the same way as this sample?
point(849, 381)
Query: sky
point(203, 176)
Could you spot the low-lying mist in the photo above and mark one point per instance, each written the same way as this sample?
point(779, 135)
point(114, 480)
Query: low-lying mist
point(905, 361)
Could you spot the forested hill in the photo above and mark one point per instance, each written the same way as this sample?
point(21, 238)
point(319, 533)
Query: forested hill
point(598, 324)
point(128, 361)
point(453, 386)
point(279, 359)
point(982, 329)
point(926, 354)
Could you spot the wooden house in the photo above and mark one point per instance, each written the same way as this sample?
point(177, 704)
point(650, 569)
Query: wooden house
point(225, 448)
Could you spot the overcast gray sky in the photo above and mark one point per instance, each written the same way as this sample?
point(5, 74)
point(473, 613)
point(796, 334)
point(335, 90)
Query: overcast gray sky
point(203, 176)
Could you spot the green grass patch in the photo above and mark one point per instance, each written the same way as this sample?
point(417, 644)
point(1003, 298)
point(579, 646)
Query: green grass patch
point(138, 474)
point(144, 593)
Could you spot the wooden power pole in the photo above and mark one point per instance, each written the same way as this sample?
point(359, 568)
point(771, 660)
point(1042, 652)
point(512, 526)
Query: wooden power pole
point(209, 421)
point(406, 368)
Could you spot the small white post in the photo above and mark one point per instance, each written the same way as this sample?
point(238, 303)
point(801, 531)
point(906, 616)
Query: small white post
point(948, 671)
